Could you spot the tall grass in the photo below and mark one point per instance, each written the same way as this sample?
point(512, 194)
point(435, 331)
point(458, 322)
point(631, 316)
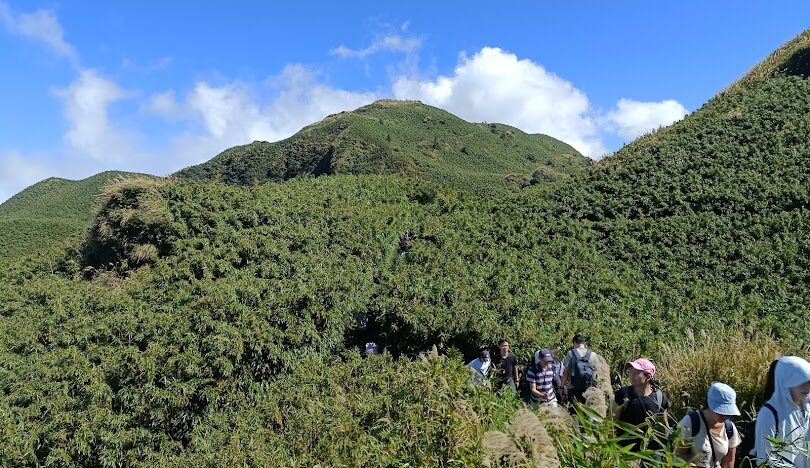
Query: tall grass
point(739, 358)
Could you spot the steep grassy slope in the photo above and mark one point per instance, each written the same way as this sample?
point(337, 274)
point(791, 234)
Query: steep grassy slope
point(721, 198)
point(404, 138)
point(48, 213)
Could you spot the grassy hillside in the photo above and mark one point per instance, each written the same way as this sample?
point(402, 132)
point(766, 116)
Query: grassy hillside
point(721, 199)
point(48, 213)
point(403, 138)
point(203, 322)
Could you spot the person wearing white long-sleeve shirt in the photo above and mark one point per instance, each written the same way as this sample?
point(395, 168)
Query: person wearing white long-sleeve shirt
point(786, 417)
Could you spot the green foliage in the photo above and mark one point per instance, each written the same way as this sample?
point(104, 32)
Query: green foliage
point(214, 323)
point(48, 213)
point(596, 441)
point(741, 359)
point(397, 137)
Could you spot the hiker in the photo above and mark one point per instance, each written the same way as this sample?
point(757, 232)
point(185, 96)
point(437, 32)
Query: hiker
point(371, 349)
point(507, 366)
point(481, 367)
point(712, 437)
point(580, 370)
point(540, 379)
point(641, 400)
point(786, 416)
point(405, 243)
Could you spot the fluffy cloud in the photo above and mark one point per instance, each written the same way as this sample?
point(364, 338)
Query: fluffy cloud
point(18, 171)
point(632, 118)
point(494, 85)
point(41, 26)
point(235, 113)
point(392, 43)
point(90, 131)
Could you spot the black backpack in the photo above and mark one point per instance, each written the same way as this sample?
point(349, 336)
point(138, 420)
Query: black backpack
point(657, 396)
point(695, 419)
point(745, 456)
point(583, 374)
point(523, 385)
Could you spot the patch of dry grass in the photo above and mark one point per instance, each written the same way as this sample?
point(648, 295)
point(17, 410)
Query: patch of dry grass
point(740, 359)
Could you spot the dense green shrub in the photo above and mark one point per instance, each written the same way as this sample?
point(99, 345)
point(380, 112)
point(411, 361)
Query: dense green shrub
point(212, 323)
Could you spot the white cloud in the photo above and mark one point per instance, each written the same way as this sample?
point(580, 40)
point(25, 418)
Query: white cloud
point(18, 172)
point(632, 118)
point(494, 85)
point(42, 26)
point(391, 42)
point(164, 104)
point(90, 131)
point(303, 100)
point(235, 113)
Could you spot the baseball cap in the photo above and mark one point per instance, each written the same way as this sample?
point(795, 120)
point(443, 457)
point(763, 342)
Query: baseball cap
point(543, 354)
point(643, 365)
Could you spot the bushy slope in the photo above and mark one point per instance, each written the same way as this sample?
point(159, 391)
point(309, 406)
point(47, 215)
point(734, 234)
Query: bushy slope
point(404, 138)
point(720, 200)
point(47, 213)
point(211, 323)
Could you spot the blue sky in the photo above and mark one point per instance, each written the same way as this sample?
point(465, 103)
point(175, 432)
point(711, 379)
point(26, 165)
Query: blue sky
point(156, 86)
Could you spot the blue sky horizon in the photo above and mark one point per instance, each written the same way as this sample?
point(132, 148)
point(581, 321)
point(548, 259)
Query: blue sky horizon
point(94, 86)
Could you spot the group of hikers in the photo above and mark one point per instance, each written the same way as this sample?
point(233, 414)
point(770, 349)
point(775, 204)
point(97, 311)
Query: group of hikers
point(780, 436)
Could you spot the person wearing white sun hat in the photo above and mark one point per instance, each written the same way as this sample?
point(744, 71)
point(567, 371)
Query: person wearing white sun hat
point(714, 438)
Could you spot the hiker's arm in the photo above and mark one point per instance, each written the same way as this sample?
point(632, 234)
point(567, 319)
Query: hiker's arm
point(617, 410)
point(618, 402)
point(515, 376)
point(765, 427)
point(730, 458)
point(683, 450)
point(534, 390)
point(684, 454)
point(666, 417)
point(564, 379)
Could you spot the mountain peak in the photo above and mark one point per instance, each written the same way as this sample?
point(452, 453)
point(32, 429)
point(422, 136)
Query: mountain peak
point(791, 59)
point(403, 138)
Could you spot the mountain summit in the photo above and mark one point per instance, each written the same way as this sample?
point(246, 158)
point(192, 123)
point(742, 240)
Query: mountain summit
point(403, 138)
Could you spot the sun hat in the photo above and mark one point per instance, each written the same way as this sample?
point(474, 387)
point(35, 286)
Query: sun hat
point(722, 399)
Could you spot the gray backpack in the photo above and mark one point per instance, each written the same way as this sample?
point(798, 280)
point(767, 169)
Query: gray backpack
point(583, 374)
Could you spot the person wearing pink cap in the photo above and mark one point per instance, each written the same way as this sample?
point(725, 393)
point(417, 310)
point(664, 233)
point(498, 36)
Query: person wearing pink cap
point(641, 401)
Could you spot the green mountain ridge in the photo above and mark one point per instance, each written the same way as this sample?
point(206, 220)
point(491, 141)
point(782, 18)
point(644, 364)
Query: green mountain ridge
point(401, 138)
point(48, 213)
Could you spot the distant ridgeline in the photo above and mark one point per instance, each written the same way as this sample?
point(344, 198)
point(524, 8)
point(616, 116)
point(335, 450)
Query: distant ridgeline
point(211, 318)
point(49, 213)
point(402, 138)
